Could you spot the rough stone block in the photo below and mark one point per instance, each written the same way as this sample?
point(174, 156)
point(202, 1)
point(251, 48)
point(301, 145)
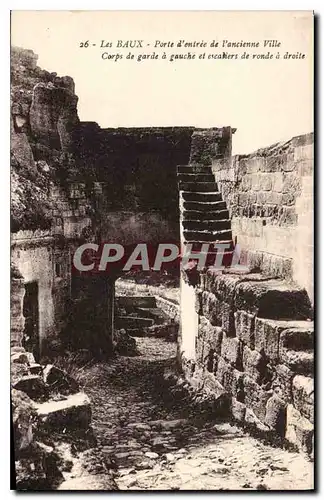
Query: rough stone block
point(198, 301)
point(238, 410)
point(277, 182)
point(232, 351)
point(254, 364)
point(255, 397)
point(23, 414)
point(224, 286)
point(267, 335)
point(19, 357)
point(306, 167)
point(298, 339)
point(230, 378)
point(282, 383)
point(301, 362)
point(59, 381)
point(252, 420)
point(244, 327)
point(213, 385)
point(211, 335)
point(299, 430)
point(304, 152)
point(303, 396)
point(272, 299)
point(276, 414)
point(265, 182)
point(72, 412)
point(228, 321)
point(33, 386)
point(211, 308)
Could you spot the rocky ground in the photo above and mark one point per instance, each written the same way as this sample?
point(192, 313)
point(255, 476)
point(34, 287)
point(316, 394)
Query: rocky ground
point(149, 442)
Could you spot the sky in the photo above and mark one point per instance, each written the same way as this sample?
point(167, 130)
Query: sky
point(265, 100)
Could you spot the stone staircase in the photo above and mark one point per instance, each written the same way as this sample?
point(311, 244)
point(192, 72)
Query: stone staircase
point(204, 215)
point(140, 316)
point(255, 338)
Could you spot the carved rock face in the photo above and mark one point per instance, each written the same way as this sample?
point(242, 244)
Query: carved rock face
point(52, 115)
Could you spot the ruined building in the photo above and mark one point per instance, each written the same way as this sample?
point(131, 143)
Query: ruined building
point(245, 335)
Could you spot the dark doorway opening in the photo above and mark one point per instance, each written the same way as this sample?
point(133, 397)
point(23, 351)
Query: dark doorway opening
point(31, 314)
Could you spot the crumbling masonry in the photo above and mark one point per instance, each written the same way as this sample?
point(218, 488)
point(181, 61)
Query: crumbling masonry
point(245, 336)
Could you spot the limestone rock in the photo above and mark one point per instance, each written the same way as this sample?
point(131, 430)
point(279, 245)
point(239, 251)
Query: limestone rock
point(58, 381)
point(299, 430)
point(72, 412)
point(23, 418)
point(20, 357)
point(125, 345)
point(33, 386)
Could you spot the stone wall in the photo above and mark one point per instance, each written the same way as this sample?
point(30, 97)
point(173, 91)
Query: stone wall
point(247, 333)
point(39, 258)
point(251, 339)
point(269, 195)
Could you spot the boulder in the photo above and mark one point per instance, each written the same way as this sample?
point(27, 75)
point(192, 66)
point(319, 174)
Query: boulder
point(33, 386)
point(23, 418)
point(125, 345)
point(58, 381)
point(72, 412)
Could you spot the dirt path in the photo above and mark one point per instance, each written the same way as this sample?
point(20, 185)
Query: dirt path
point(157, 446)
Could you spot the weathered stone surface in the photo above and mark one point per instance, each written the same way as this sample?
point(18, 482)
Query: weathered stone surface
point(254, 364)
point(238, 410)
point(232, 351)
point(72, 412)
point(276, 414)
point(255, 397)
point(283, 382)
point(59, 381)
point(244, 327)
point(211, 308)
point(211, 335)
point(23, 418)
point(298, 339)
point(267, 335)
point(33, 386)
point(252, 420)
point(301, 362)
point(299, 430)
point(273, 299)
point(228, 323)
point(17, 320)
point(124, 344)
point(52, 115)
point(303, 396)
point(19, 357)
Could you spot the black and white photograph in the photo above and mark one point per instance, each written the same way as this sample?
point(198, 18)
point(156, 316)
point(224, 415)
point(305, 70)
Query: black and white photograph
point(162, 250)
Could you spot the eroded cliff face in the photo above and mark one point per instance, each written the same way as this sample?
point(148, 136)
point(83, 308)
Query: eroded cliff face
point(43, 118)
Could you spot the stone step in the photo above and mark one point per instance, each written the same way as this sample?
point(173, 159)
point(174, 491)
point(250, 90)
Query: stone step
point(204, 206)
point(135, 301)
point(74, 412)
point(298, 338)
point(154, 313)
point(200, 225)
point(202, 197)
point(198, 187)
point(197, 245)
point(195, 177)
point(205, 215)
point(273, 299)
point(128, 322)
point(300, 362)
point(208, 236)
point(226, 261)
point(192, 168)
